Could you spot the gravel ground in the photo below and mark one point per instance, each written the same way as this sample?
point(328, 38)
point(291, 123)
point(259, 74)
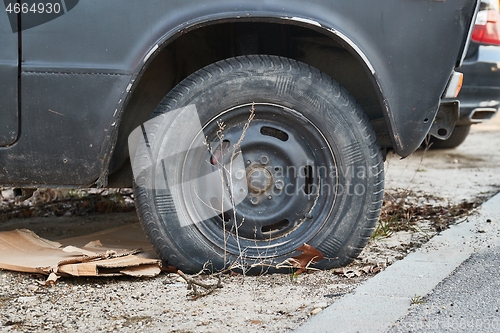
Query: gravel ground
point(244, 304)
point(276, 303)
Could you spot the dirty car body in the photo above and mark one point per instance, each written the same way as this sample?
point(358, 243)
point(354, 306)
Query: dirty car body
point(76, 83)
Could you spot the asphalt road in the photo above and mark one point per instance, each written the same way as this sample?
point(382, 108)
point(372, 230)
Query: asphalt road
point(467, 301)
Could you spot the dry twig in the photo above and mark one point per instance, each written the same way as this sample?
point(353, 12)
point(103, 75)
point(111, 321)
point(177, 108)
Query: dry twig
point(193, 285)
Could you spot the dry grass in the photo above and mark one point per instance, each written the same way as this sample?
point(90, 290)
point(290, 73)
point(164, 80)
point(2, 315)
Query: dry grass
point(403, 210)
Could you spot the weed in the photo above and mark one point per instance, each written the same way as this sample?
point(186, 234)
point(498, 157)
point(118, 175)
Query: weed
point(383, 230)
point(293, 276)
point(417, 300)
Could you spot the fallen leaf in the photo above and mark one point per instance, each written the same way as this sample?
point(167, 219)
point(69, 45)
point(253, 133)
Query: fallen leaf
point(352, 273)
point(308, 256)
point(356, 271)
point(367, 269)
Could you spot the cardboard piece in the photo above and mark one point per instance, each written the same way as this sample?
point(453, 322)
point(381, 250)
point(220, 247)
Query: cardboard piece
point(118, 251)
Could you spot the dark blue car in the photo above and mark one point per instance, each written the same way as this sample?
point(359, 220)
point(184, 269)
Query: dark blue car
point(248, 128)
point(480, 94)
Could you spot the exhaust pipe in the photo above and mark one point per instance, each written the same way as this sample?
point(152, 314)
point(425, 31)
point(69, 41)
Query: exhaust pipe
point(481, 114)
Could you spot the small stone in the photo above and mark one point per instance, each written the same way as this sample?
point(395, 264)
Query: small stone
point(27, 299)
point(32, 287)
point(316, 311)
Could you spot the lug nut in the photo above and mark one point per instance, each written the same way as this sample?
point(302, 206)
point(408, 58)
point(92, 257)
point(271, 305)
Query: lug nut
point(264, 160)
point(254, 200)
point(279, 184)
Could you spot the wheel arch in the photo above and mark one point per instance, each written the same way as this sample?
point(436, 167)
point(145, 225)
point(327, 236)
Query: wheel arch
point(181, 52)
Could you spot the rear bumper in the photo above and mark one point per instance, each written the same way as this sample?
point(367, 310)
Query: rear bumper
point(480, 94)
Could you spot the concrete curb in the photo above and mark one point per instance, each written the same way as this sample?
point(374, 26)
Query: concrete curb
point(379, 302)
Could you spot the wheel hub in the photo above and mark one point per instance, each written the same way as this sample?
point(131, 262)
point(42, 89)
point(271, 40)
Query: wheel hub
point(259, 179)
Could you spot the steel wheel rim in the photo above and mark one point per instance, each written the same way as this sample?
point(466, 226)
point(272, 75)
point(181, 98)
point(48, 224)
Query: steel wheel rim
point(288, 164)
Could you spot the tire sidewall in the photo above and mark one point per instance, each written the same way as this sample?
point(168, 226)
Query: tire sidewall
point(312, 95)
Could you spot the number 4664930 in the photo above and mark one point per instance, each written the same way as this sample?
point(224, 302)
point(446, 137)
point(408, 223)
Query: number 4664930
point(40, 8)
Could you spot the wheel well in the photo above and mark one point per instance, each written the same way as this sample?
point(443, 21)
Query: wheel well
point(200, 47)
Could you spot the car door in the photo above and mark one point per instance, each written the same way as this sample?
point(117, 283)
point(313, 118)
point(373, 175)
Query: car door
point(9, 51)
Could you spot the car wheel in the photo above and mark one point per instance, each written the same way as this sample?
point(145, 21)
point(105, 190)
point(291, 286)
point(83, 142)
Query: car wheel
point(261, 155)
point(456, 138)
